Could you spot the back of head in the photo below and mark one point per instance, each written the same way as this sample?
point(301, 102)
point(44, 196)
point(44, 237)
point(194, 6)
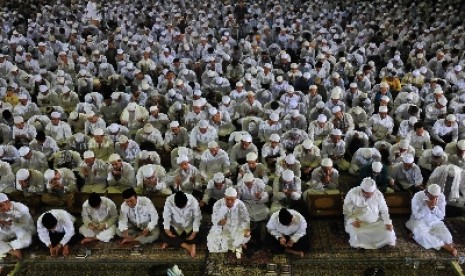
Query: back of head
point(49, 221)
point(94, 200)
point(285, 217)
point(128, 193)
point(180, 199)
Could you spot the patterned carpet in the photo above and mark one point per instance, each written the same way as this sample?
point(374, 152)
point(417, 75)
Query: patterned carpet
point(329, 254)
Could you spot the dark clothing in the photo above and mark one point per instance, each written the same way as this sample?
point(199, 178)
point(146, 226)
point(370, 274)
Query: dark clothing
point(56, 237)
point(179, 239)
point(273, 244)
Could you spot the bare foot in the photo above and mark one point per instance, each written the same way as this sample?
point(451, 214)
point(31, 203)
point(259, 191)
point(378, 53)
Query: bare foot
point(164, 245)
point(88, 240)
point(299, 254)
point(66, 250)
point(244, 246)
point(17, 253)
point(454, 252)
point(192, 251)
point(128, 240)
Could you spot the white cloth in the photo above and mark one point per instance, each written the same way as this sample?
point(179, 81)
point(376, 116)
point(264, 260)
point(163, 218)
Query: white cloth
point(19, 234)
point(231, 235)
point(105, 214)
point(64, 224)
point(182, 219)
point(257, 208)
point(427, 225)
point(373, 216)
point(143, 215)
point(296, 230)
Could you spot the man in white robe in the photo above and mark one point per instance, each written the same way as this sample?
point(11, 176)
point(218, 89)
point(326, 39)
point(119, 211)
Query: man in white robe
point(16, 227)
point(426, 221)
point(451, 179)
point(367, 218)
point(252, 192)
point(99, 216)
point(231, 225)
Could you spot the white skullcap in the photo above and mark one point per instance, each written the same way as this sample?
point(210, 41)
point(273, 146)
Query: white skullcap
point(307, 144)
point(412, 120)
point(438, 90)
point(368, 185)
point(98, 131)
point(404, 144)
point(88, 154)
point(148, 128)
point(239, 84)
point(79, 137)
point(123, 139)
point(290, 89)
point(367, 153)
point(49, 174)
point(132, 106)
point(336, 131)
point(434, 189)
point(451, 118)
point(213, 111)
point(408, 159)
point(22, 97)
point(248, 177)
point(458, 68)
point(335, 95)
point(274, 137)
point(326, 162)
point(461, 144)
point(377, 166)
point(230, 192)
point(442, 101)
point(182, 158)
point(18, 120)
point(22, 174)
point(322, 118)
point(274, 117)
point(437, 151)
point(174, 124)
point(306, 75)
point(294, 113)
point(312, 87)
point(203, 124)
point(218, 177)
point(288, 175)
point(55, 115)
point(212, 144)
point(114, 157)
point(3, 197)
point(279, 79)
point(197, 103)
point(290, 159)
point(251, 156)
point(246, 138)
point(23, 151)
point(353, 85)
point(153, 108)
point(384, 85)
point(320, 104)
point(147, 171)
point(336, 109)
point(383, 109)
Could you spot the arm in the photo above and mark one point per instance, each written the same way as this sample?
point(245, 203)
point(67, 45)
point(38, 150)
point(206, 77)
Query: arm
point(302, 229)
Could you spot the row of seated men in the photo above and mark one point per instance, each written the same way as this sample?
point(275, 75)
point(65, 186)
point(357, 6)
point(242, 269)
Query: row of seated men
point(366, 217)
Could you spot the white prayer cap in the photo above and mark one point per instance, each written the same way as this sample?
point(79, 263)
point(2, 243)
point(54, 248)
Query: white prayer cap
point(377, 166)
point(368, 185)
point(384, 85)
point(98, 131)
point(294, 113)
point(147, 171)
point(458, 68)
point(148, 128)
point(437, 151)
point(383, 109)
point(56, 115)
point(275, 137)
point(88, 154)
point(336, 109)
point(312, 87)
point(320, 104)
point(461, 144)
point(326, 162)
point(307, 144)
point(367, 153)
point(197, 92)
point(239, 84)
point(322, 118)
point(404, 144)
point(335, 95)
point(79, 137)
point(438, 90)
point(336, 131)
point(246, 138)
point(290, 89)
point(18, 120)
point(174, 124)
point(49, 174)
point(212, 144)
point(218, 177)
point(22, 97)
point(213, 111)
point(132, 106)
point(3, 197)
point(279, 79)
point(412, 120)
point(203, 124)
point(114, 157)
point(43, 88)
point(23, 151)
point(123, 139)
point(442, 101)
point(434, 189)
point(153, 108)
point(274, 117)
point(22, 174)
point(65, 88)
point(230, 192)
point(290, 159)
point(182, 158)
point(385, 98)
point(197, 103)
point(288, 175)
point(335, 75)
point(451, 118)
point(307, 75)
point(248, 177)
point(408, 159)
point(268, 66)
point(353, 85)
point(251, 156)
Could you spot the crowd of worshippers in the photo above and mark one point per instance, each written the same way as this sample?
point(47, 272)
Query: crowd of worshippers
point(241, 110)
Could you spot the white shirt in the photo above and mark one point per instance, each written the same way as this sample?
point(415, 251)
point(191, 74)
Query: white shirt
point(369, 210)
point(237, 217)
point(105, 213)
point(143, 215)
point(296, 229)
point(64, 224)
point(182, 219)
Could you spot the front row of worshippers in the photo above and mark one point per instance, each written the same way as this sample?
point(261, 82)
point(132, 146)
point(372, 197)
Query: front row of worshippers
point(366, 214)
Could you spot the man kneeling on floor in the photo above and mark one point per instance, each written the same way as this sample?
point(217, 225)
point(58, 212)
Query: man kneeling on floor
point(138, 219)
point(99, 216)
point(287, 231)
point(367, 218)
point(56, 231)
point(181, 221)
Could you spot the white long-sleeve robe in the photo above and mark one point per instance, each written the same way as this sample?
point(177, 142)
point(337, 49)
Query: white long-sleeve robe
point(19, 234)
